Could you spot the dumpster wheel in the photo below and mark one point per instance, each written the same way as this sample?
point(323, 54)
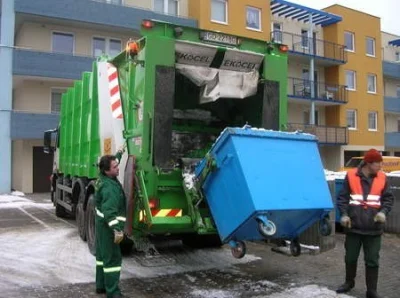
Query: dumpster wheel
point(295, 248)
point(266, 230)
point(325, 228)
point(239, 250)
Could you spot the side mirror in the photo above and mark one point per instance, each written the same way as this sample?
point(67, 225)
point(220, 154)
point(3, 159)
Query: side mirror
point(47, 148)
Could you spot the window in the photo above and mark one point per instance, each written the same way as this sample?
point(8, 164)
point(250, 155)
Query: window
point(371, 83)
point(398, 125)
point(167, 6)
point(56, 99)
point(307, 119)
point(219, 11)
point(109, 46)
point(373, 121)
point(351, 80)
point(277, 32)
point(304, 38)
point(370, 44)
point(352, 119)
point(114, 1)
point(397, 57)
point(349, 41)
point(62, 43)
point(253, 18)
point(398, 91)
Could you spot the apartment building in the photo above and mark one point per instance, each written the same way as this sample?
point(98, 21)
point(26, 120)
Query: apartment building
point(338, 87)
point(391, 84)
point(45, 45)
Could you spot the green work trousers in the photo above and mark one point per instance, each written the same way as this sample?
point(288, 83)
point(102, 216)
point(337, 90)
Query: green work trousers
point(108, 259)
point(370, 244)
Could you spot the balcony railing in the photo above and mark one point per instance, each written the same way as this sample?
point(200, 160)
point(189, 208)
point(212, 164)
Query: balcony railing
point(329, 135)
point(392, 139)
point(301, 88)
point(392, 104)
point(310, 46)
point(31, 125)
point(391, 69)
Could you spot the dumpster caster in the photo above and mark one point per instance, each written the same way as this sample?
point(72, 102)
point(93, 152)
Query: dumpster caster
point(325, 228)
point(295, 248)
point(267, 229)
point(238, 249)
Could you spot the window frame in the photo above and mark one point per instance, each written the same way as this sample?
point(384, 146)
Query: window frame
point(355, 80)
point(259, 18)
point(374, 46)
point(376, 121)
point(62, 89)
point(166, 6)
point(353, 41)
point(65, 33)
point(226, 12)
point(275, 31)
point(355, 119)
point(375, 83)
point(107, 40)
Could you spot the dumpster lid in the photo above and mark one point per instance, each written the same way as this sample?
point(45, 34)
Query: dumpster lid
point(247, 130)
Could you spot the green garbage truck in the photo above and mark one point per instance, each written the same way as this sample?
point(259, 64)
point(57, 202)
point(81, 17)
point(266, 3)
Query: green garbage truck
point(166, 98)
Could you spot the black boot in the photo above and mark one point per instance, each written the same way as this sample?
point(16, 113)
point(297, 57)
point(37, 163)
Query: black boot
point(351, 270)
point(371, 279)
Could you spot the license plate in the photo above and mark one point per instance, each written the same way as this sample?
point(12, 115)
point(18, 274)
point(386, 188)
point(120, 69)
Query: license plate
point(219, 38)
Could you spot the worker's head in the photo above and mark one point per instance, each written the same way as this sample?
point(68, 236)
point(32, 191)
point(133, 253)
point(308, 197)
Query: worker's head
point(109, 166)
point(373, 161)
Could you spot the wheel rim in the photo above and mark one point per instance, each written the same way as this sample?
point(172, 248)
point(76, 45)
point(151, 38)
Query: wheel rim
point(268, 229)
point(239, 251)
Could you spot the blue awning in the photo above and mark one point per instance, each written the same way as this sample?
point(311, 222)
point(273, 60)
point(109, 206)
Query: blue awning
point(282, 8)
point(395, 43)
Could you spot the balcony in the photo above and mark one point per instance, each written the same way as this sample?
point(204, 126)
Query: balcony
point(327, 94)
point(327, 135)
point(392, 140)
point(50, 65)
point(28, 126)
point(392, 104)
point(95, 12)
point(325, 52)
point(391, 70)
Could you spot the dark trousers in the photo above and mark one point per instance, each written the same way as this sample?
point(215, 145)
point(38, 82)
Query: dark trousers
point(370, 244)
point(108, 260)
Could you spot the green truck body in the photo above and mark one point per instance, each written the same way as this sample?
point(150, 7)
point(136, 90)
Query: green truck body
point(170, 114)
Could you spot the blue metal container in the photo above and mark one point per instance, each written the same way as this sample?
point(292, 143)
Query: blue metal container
point(264, 178)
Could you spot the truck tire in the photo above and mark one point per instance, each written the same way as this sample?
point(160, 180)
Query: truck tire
point(81, 220)
point(61, 212)
point(91, 230)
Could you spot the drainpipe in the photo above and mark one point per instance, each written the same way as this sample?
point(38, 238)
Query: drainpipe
point(311, 72)
point(6, 52)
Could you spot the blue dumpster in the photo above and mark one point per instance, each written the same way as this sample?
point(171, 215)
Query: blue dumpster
point(264, 184)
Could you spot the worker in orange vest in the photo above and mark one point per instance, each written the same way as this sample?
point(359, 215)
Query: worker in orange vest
point(364, 203)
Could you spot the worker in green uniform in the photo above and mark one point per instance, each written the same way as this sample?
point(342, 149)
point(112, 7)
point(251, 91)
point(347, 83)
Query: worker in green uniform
point(110, 221)
point(364, 203)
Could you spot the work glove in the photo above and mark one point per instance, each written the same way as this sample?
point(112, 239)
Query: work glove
point(118, 236)
point(345, 221)
point(380, 217)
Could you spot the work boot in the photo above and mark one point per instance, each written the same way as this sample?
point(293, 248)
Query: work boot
point(371, 279)
point(351, 270)
point(100, 291)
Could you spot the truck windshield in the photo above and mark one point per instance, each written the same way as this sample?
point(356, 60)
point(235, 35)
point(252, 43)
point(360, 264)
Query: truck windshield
point(353, 163)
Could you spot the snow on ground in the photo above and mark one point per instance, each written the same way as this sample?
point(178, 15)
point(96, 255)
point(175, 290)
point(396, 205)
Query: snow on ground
point(58, 256)
point(331, 176)
point(17, 199)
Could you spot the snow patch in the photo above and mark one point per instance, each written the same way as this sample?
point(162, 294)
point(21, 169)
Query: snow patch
point(188, 178)
point(214, 294)
point(17, 201)
point(332, 176)
point(18, 193)
point(310, 291)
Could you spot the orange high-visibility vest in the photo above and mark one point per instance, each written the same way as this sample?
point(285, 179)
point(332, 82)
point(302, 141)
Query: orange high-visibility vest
point(374, 196)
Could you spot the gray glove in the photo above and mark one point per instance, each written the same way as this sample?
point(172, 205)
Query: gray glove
point(380, 217)
point(118, 236)
point(345, 221)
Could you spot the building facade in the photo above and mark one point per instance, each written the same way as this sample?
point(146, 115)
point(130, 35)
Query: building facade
point(343, 84)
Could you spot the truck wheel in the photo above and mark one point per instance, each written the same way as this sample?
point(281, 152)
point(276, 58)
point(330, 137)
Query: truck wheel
point(81, 220)
point(91, 230)
point(60, 211)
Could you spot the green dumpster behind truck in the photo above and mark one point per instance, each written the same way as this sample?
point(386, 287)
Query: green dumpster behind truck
point(166, 97)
